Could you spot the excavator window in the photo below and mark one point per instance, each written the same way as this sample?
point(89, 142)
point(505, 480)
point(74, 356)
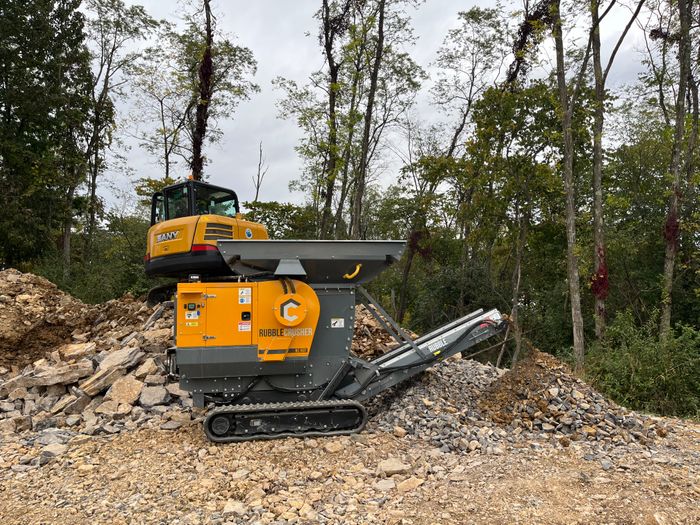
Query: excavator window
point(157, 208)
point(178, 205)
point(215, 201)
point(192, 198)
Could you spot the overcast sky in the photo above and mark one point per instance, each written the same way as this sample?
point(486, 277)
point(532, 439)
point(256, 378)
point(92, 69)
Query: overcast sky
point(282, 36)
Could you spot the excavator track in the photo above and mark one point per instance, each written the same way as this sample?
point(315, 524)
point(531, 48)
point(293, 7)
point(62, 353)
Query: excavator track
point(231, 423)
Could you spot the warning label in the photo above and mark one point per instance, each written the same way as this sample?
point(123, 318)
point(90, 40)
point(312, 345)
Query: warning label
point(244, 326)
point(244, 299)
point(245, 291)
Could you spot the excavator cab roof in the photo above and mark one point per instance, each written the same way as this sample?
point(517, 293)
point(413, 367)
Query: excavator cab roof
point(193, 197)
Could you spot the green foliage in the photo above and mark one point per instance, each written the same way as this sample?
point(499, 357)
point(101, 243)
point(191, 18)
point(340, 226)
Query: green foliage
point(45, 89)
point(639, 372)
point(116, 266)
point(283, 220)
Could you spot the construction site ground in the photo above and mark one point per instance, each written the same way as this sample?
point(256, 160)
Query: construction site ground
point(92, 430)
point(157, 476)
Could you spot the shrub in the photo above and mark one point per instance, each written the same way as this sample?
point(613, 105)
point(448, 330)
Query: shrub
point(638, 371)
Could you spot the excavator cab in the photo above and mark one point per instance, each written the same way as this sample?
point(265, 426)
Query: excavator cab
point(187, 220)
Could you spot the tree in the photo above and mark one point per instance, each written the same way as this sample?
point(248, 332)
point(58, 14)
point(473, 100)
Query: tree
point(333, 114)
point(378, 52)
point(168, 91)
point(599, 280)
point(672, 226)
point(112, 29)
point(334, 23)
point(566, 108)
point(45, 82)
point(205, 74)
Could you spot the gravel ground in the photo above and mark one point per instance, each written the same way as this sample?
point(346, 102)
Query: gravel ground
point(155, 476)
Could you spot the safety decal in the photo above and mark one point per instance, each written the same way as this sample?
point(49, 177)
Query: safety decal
point(337, 322)
point(192, 315)
point(244, 326)
point(245, 299)
point(248, 233)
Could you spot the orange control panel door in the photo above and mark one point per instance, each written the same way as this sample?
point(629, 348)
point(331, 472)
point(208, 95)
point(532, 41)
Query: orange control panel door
point(230, 316)
point(191, 314)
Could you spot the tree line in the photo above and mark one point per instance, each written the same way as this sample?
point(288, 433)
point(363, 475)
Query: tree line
point(532, 184)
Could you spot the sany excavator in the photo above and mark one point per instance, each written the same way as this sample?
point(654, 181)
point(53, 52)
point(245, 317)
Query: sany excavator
point(265, 342)
point(187, 220)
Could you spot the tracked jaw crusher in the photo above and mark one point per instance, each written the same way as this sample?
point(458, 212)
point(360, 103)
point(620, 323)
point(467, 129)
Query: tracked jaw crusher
point(269, 348)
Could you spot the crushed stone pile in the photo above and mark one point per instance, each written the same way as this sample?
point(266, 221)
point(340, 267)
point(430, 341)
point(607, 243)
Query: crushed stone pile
point(463, 405)
point(102, 371)
point(541, 394)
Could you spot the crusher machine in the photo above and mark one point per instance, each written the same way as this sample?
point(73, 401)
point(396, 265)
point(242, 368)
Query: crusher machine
point(268, 349)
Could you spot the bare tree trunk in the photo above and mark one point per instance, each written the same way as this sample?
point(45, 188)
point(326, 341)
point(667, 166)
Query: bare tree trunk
point(599, 280)
point(333, 26)
point(67, 227)
point(356, 228)
point(205, 91)
point(413, 240)
point(260, 175)
point(566, 110)
point(166, 149)
point(515, 299)
point(672, 226)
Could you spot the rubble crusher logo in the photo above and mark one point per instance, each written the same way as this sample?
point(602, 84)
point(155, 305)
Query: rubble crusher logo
point(169, 236)
point(286, 309)
point(290, 309)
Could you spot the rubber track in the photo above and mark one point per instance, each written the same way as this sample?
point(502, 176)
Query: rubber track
point(283, 407)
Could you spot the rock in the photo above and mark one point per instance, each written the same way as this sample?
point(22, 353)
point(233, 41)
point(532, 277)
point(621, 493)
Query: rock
point(473, 445)
point(547, 427)
point(54, 450)
point(392, 466)
point(175, 390)
point(161, 335)
point(126, 390)
point(72, 420)
point(147, 368)
point(42, 376)
point(77, 404)
point(333, 447)
point(154, 379)
point(553, 392)
point(235, 508)
point(399, 431)
point(17, 393)
point(73, 351)
point(101, 380)
point(122, 358)
point(171, 425)
point(385, 484)
point(578, 396)
point(153, 395)
point(409, 484)
point(108, 408)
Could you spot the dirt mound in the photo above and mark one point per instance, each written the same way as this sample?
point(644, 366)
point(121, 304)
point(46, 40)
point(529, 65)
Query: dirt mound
point(541, 394)
point(35, 317)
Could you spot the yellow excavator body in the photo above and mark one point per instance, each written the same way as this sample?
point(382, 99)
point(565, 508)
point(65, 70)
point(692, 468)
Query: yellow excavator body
point(187, 220)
